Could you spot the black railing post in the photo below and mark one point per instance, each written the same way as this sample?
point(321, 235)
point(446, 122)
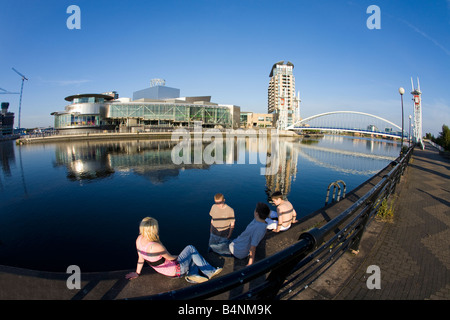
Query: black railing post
point(359, 230)
point(279, 274)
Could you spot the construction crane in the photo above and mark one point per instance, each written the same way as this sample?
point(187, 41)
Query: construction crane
point(21, 91)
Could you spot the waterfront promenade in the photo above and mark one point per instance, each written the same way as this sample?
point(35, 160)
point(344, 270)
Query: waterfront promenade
point(413, 253)
point(153, 135)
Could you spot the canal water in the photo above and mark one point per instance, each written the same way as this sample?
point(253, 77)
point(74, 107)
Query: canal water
point(80, 203)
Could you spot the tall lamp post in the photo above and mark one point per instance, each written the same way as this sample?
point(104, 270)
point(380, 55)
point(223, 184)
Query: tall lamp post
point(401, 91)
point(409, 135)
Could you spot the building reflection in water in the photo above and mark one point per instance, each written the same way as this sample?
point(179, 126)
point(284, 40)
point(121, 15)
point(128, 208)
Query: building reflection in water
point(84, 161)
point(7, 156)
point(287, 156)
point(87, 161)
point(153, 159)
point(97, 160)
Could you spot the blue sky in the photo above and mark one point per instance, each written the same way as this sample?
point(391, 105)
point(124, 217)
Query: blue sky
point(225, 48)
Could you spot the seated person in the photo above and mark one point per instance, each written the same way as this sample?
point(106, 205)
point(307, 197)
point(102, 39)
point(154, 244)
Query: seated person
point(245, 244)
point(285, 215)
point(222, 220)
point(188, 263)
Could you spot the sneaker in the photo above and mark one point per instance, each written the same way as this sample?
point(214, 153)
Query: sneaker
point(195, 278)
point(218, 270)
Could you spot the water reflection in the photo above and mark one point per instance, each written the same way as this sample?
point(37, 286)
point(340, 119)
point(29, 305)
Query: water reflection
point(7, 160)
point(287, 155)
point(103, 189)
point(97, 160)
point(7, 157)
point(88, 161)
point(356, 156)
point(84, 161)
point(153, 159)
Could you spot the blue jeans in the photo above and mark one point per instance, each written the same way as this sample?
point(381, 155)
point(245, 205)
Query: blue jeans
point(222, 248)
point(214, 239)
point(191, 262)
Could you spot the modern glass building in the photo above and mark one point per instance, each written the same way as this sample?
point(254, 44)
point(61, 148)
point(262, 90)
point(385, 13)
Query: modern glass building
point(98, 112)
point(6, 120)
point(86, 112)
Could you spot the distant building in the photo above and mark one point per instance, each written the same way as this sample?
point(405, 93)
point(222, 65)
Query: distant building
point(282, 101)
point(6, 120)
point(106, 111)
point(256, 120)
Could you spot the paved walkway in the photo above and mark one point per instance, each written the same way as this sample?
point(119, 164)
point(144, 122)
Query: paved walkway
point(412, 251)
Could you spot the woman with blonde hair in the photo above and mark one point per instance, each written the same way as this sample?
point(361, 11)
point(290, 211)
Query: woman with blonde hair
point(188, 263)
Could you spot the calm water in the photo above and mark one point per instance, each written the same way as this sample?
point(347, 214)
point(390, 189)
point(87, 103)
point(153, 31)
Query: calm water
point(81, 203)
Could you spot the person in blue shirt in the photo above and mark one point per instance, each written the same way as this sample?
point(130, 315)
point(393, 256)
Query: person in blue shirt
point(245, 244)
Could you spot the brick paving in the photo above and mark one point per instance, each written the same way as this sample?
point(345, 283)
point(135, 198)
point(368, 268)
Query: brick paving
point(413, 250)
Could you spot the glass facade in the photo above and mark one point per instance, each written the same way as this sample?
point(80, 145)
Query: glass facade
point(71, 120)
point(88, 100)
point(173, 113)
point(141, 114)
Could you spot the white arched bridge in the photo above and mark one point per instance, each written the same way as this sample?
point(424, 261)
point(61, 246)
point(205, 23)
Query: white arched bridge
point(350, 121)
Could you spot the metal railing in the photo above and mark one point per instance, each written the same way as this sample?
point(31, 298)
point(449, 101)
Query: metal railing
point(290, 271)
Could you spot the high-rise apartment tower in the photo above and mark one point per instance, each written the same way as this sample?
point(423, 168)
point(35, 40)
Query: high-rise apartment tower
point(282, 101)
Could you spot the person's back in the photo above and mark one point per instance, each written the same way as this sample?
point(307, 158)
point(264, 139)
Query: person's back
point(285, 215)
point(188, 263)
point(251, 236)
point(245, 244)
point(151, 252)
point(222, 220)
point(286, 210)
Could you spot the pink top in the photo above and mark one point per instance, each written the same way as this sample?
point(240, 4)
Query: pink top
point(169, 268)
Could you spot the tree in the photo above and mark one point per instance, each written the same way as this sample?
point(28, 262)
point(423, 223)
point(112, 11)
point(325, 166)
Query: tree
point(429, 136)
point(444, 138)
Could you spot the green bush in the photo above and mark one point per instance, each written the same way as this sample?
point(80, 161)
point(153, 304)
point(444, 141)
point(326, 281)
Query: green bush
point(444, 138)
point(386, 210)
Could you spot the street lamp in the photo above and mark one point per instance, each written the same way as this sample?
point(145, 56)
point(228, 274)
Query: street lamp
point(401, 91)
